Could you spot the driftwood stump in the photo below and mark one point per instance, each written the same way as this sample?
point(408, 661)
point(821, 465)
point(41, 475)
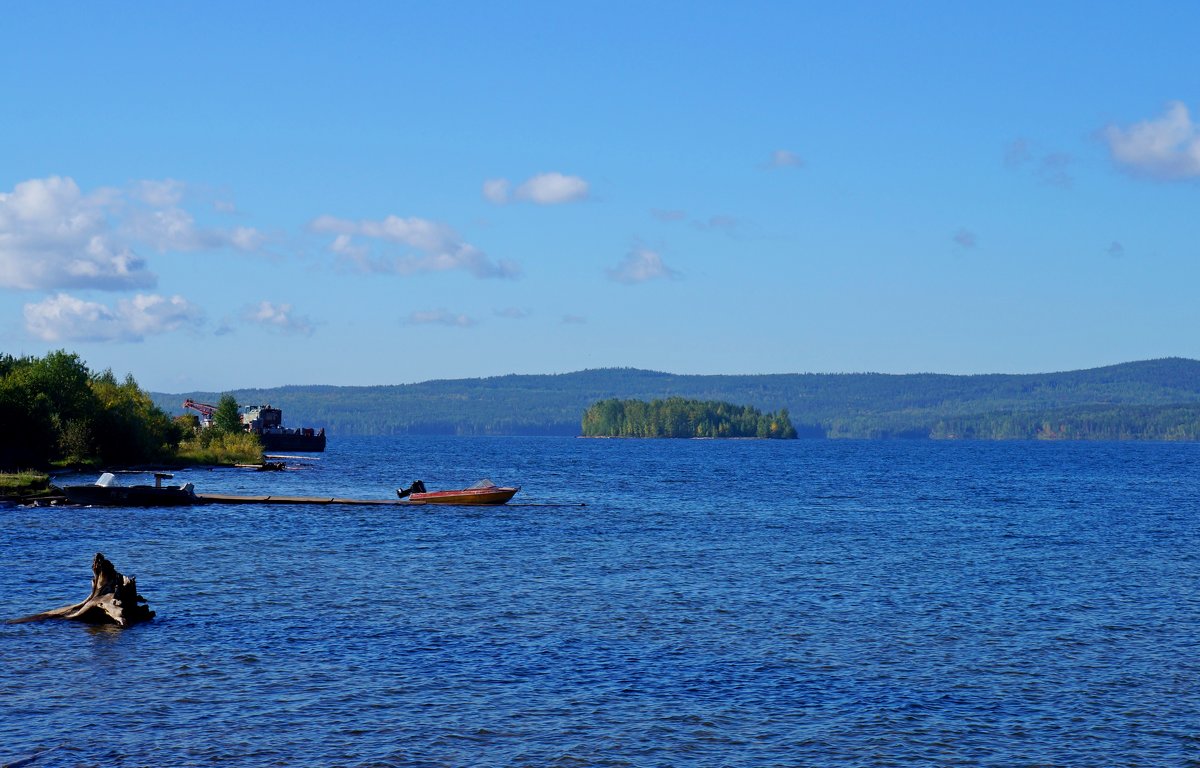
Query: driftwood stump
point(114, 600)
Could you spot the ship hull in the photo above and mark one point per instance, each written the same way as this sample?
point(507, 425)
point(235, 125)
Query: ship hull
point(294, 442)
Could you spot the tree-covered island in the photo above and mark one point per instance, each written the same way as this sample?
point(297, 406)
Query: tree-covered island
point(678, 417)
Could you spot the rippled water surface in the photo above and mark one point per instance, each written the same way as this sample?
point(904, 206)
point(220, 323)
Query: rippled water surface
point(739, 603)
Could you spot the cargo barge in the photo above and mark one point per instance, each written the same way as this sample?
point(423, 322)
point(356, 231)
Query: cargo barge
point(267, 423)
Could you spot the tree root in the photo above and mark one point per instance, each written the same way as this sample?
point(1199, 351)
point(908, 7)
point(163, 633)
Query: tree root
point(114, 600)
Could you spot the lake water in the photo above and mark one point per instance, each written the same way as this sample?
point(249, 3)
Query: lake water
point(740, 603)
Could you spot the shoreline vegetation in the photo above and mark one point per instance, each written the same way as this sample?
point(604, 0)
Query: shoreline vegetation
point(24, 485)
point(59, 414)
point(676, 417)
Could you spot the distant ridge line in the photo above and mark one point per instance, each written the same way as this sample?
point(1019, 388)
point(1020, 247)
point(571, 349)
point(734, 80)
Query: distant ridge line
point(1150, 399)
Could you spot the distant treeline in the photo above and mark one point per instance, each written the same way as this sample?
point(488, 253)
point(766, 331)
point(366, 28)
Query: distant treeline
point(677, 417)
point(1130, 422)
point(1154, 399)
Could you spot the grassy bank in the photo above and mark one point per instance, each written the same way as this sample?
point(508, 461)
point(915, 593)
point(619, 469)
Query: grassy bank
point(23, 485)
point(210, 446)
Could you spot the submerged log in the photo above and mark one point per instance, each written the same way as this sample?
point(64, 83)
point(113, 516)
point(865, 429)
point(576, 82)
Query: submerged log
point(114, 600)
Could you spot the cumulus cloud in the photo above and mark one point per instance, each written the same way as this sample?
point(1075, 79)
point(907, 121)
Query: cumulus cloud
point(438, 248)
point(641, 265)
point(574, 320)
point(165, 193)
point(782, 158)
point(54, 236)
point(512, 313)
point(440, 317)
point(544, 189)
point(553, 189)
point(63, 317)
point(1167, 147)
point(278, 317)
point(175, 229)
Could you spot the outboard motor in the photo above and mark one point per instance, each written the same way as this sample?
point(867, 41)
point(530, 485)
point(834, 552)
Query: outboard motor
point(416, 487)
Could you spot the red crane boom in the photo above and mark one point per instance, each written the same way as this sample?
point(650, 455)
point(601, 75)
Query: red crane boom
point(204, 408)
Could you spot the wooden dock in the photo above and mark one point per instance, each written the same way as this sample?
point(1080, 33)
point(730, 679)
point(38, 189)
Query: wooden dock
point(222, 498)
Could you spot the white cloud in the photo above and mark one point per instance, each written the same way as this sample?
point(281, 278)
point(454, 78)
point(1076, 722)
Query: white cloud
point(174, 229)
point(166, 193)
point(279, 317)
point(1167, 147)
point(440, 317)
point(439, 247)
point(641, 265)
point(544, 189)
point(53, 236)
point(66, 318)
point(512, 313)
point(782, 158)
point(573, 320)
point(247, 238)
point(496, 190)
point(553, 189)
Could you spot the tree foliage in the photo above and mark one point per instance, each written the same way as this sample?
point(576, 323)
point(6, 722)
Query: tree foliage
point(677, 417)
point(227, 418)
point(53, 409)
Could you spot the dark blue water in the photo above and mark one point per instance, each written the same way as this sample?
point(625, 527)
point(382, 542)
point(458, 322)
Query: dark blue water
point(738, 603)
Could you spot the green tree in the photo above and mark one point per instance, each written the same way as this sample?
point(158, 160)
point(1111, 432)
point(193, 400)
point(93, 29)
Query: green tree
point(53, 409)
point(227, 418)
point(680, 417)
point(130, 429)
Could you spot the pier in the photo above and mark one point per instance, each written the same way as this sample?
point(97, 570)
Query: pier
point(222, 498)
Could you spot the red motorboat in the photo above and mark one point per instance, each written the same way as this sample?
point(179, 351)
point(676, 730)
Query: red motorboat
point(482, 492)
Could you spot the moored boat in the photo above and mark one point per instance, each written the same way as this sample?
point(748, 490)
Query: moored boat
point(106, 492)
point(481, 493)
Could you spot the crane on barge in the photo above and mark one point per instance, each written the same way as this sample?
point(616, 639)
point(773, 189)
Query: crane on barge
point(267, 423)
point(206, 410)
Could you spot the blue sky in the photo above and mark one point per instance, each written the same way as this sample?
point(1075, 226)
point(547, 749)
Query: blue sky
point(212, 196)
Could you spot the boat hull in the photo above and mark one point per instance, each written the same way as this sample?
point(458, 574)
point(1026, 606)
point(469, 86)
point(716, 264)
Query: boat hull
point(129, 496)
point(293, 442)
point(472, 496)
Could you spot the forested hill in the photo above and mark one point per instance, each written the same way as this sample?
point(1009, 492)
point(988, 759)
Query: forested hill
point(1154, 399)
